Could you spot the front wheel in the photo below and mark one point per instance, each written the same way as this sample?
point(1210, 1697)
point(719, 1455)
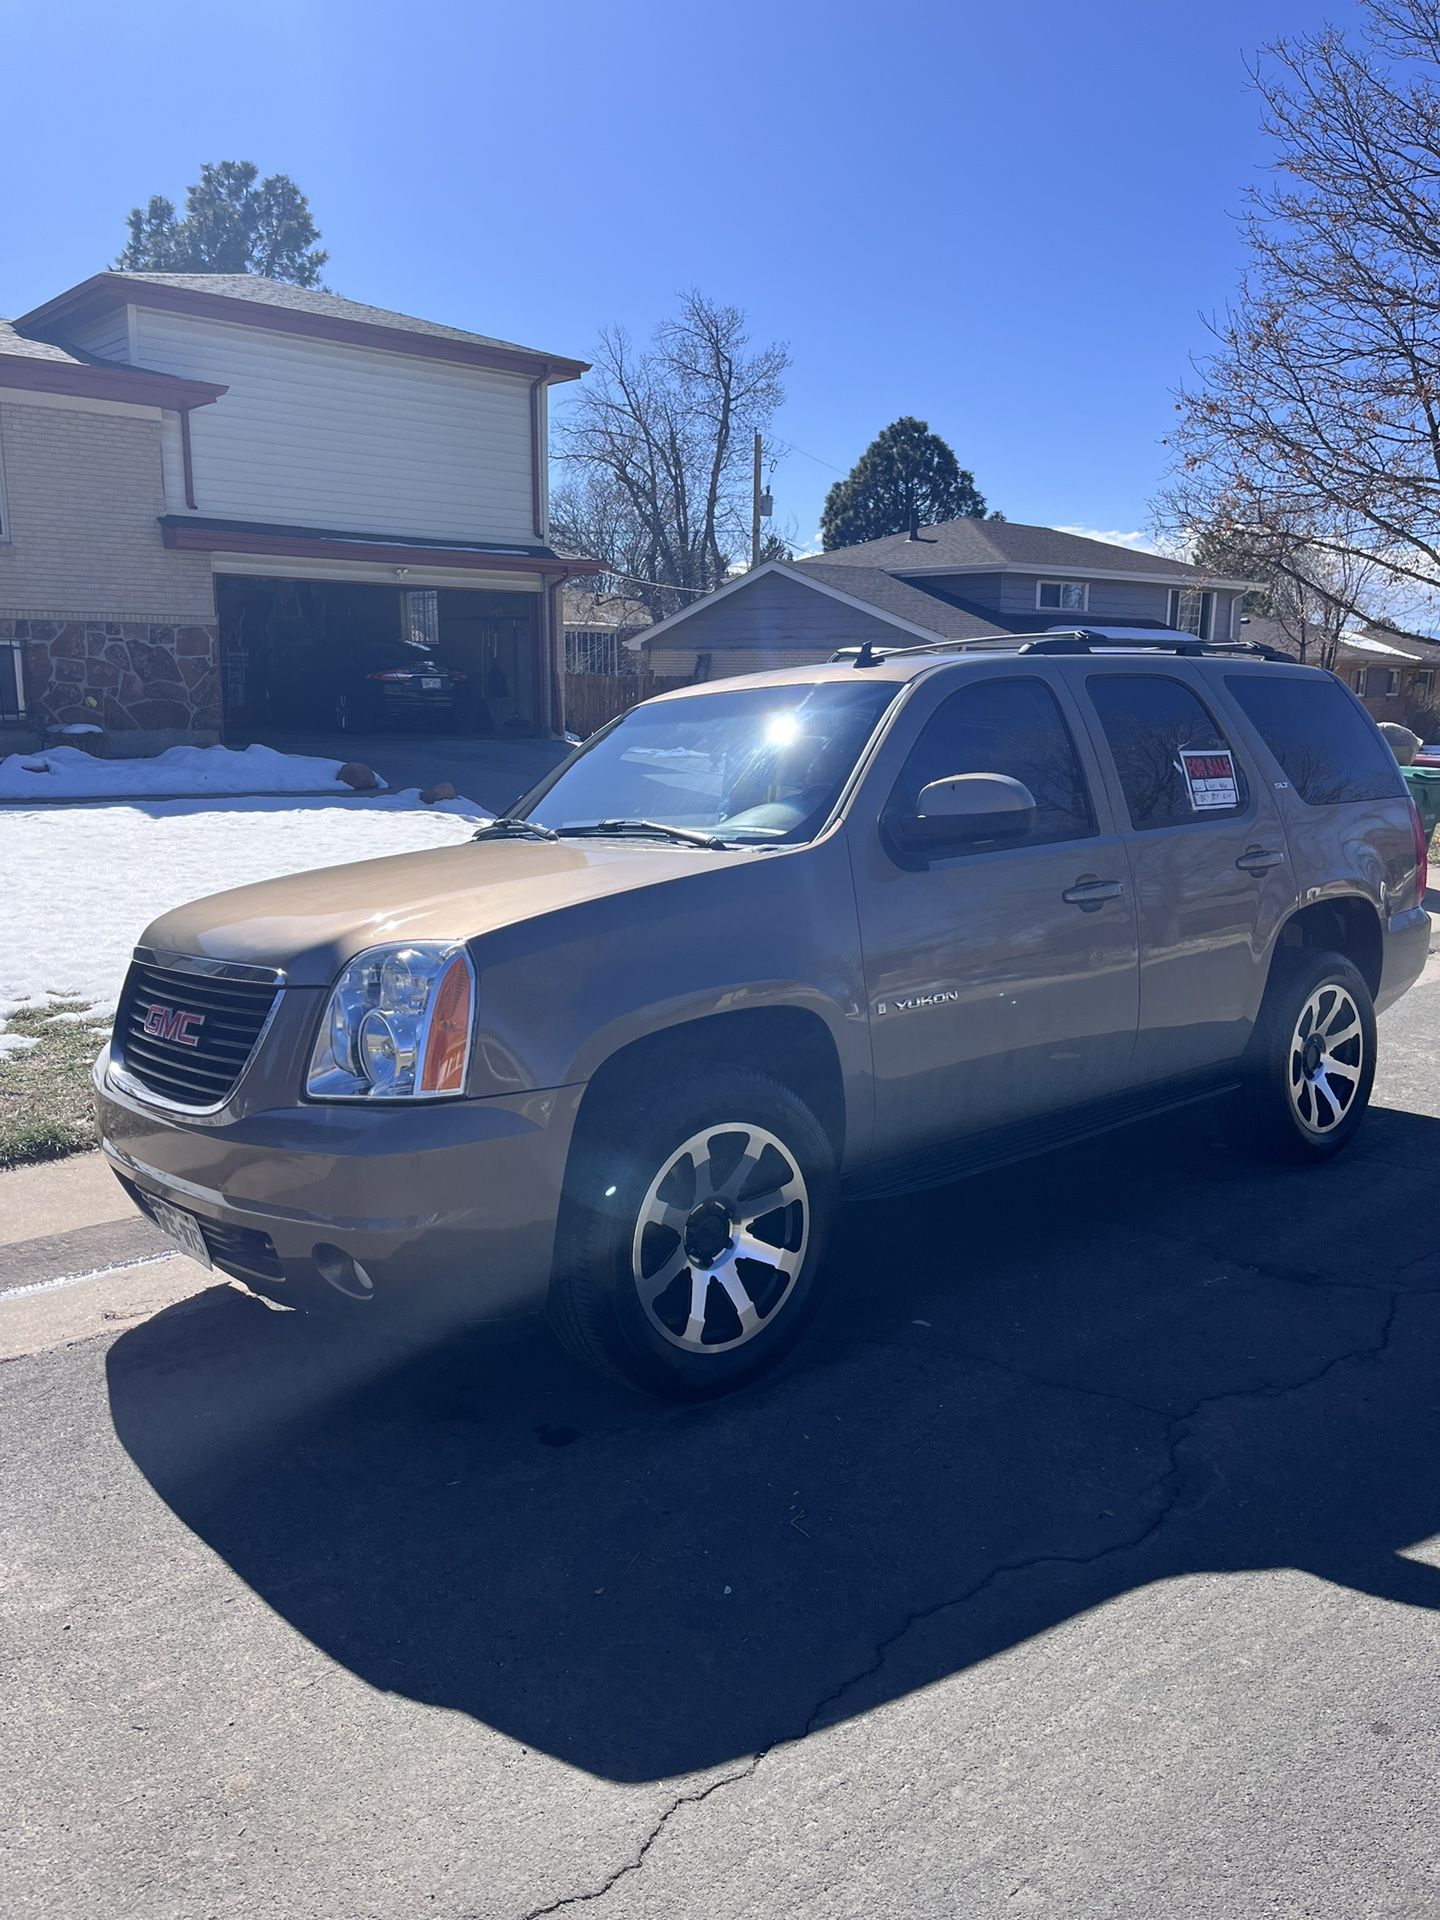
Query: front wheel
point(1311, 1060)
point(693, 1229)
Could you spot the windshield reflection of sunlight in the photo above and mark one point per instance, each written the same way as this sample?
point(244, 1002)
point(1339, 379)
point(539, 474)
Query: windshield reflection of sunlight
point(754, 764)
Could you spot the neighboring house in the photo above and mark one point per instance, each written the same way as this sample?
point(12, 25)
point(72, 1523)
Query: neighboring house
point(214, 488)
point(961, 580)
point(598, 628)
point(1396, 674)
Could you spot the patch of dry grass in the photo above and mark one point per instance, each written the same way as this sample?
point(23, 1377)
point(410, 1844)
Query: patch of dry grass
point(46, 1099)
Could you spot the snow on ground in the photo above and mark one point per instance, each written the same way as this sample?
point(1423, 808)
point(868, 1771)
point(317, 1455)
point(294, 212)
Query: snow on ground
point(80, 884)
point(65, 773)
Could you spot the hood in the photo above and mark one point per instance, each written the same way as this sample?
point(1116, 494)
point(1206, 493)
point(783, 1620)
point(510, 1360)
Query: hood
point(311, 924)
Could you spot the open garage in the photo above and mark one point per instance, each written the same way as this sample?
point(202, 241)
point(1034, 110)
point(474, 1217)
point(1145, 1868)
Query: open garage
point(304, 655)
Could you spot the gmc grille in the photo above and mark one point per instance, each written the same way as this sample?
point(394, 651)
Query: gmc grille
point(186, 1032)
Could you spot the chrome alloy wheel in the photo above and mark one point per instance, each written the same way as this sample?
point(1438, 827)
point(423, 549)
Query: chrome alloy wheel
point(1327, 1053)
point(721, 1238)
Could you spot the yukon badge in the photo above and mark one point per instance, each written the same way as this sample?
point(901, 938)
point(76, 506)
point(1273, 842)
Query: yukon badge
point(917, 1000)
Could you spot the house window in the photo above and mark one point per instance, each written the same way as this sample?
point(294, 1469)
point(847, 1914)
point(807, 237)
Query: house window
point(1062, 596)
point(1392, 680)
point(1362, 680)
point(1192, 610)
point(1424, 683)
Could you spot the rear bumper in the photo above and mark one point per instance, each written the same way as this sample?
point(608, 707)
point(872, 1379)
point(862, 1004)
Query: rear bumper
point(1407, 948)
point(449, 1208)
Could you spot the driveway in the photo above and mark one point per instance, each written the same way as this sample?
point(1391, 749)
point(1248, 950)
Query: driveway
point(1086, 1561)
point(491, 771)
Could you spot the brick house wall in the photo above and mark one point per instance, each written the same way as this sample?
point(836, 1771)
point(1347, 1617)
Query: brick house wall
point(119, 630)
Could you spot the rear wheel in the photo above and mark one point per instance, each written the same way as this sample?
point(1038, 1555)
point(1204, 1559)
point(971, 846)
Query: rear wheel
point(1311, 1061)
point(693, 1229)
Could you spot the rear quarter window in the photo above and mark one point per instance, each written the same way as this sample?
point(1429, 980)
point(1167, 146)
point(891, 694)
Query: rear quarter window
point(1325, 743)
point(1156, 729)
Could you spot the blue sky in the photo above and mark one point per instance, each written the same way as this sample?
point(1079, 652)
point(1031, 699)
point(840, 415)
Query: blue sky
point(1007, 220)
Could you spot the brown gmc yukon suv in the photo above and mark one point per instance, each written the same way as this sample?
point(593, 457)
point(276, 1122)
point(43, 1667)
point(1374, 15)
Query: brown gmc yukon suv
point(858, 927)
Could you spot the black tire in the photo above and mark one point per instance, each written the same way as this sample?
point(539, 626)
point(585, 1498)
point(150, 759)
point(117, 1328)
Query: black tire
point(1274, 1098)
point(622, 1148)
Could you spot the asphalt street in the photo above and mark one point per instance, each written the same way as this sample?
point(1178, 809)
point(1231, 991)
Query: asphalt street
point(1085, 1561)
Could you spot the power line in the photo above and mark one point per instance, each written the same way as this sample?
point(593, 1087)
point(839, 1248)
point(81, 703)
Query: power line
point(665, 585)
point(792, 448)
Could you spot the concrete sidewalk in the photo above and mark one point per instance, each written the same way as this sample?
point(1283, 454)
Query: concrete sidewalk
point(76, 1258)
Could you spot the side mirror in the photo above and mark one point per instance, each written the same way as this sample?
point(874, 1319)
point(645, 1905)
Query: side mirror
point(968, 807)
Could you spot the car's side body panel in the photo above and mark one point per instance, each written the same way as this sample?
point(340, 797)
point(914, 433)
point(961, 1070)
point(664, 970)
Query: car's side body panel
point(992, 997)
point(1207, 926)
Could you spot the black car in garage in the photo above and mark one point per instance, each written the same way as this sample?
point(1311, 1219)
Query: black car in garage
point(395, 683)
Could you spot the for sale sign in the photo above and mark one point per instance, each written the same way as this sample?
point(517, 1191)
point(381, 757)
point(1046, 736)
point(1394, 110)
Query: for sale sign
point(1209, 779)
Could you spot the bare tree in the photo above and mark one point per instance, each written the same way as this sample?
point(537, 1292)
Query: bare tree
point(1320, 407)
point(656, 452)
point(1315, 582)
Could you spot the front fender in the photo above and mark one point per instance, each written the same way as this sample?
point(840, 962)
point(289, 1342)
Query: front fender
point(561, 993)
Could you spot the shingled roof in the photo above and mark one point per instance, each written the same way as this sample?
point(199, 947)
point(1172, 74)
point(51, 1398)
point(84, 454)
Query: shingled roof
point(249, 298)
point(918, 584)
point(958, 546)
point(279, 293)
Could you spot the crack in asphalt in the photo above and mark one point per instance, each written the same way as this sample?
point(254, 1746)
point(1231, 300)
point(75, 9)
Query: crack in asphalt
point(1168, 1486)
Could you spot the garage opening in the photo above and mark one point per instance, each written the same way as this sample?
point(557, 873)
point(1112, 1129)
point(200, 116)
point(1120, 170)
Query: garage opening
point(304, 656)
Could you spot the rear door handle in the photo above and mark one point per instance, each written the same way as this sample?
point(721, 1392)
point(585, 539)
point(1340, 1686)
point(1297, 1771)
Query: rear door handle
point(1260, 859)
point(1088, 891)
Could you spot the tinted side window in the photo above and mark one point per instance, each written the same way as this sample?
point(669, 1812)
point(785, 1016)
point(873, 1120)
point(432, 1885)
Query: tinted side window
point(1013, 727)
point(1327, 747)
point(1159, 734)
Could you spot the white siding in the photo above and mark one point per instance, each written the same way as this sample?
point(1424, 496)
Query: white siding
point(172, 462)
point(109, 336)
point(313, 434)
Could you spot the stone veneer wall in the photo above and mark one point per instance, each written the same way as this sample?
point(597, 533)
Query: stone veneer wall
point(120, 673)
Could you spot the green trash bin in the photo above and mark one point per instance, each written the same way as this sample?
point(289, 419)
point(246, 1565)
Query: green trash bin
point(1424, 787)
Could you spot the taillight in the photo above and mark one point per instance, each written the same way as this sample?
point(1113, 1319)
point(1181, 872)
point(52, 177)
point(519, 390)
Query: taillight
point(448, 1041)
point(456, 676)
point(1422, 855)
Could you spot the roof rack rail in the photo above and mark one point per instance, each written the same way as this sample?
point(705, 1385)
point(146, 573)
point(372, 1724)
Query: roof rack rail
point(1113, 639)
point(867, 654)
point(1070, 640)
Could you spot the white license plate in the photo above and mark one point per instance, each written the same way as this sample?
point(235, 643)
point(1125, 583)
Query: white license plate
point(432, 686)
point(183, 1229)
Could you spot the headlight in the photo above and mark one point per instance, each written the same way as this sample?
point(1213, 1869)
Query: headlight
point(397, 1026)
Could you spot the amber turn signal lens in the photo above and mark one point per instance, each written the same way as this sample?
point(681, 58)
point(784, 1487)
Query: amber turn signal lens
point(448, 1040)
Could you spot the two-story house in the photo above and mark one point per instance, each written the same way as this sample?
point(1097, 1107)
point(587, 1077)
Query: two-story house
point(214, 488)
point(960, 580)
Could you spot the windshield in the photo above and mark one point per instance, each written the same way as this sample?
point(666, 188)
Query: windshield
point(759, 764)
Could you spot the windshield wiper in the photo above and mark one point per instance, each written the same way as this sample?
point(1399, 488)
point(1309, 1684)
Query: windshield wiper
point(507, 823)
point(688, 836)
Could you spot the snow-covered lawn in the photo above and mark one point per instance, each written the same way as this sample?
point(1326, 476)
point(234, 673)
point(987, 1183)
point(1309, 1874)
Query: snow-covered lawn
point(66, 773)
point(79, 884)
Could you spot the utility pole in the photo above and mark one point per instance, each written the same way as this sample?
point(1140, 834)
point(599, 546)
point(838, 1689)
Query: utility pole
point(755, 509)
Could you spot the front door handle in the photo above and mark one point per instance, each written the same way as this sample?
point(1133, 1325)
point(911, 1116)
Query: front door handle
point(1090, 892)
point(1260, 859)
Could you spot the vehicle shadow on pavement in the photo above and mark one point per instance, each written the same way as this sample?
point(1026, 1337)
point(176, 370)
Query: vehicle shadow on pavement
point(1029, 1394)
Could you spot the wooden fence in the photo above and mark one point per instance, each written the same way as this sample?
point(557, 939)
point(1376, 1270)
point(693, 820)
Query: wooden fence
point(592, 699)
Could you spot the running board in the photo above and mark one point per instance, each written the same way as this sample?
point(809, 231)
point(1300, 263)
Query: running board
point(951, 1160)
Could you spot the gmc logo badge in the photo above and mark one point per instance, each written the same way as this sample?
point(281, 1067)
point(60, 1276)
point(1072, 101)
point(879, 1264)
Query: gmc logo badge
point(173, 1023)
